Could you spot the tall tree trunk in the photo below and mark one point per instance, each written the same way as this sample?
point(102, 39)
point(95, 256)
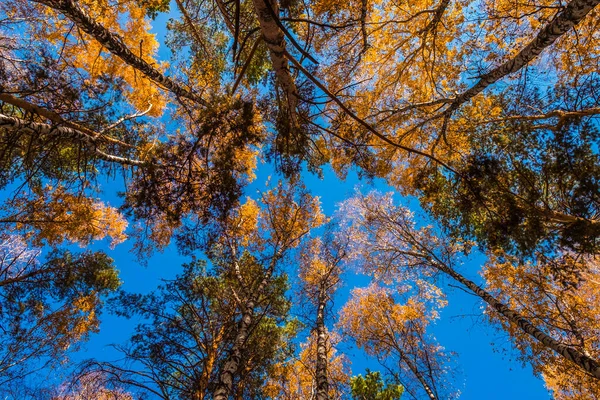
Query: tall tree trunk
point(232, 364)
point(413, 368)
point(234, 360)
point(114, 43)
point(266, 11)
point(572, 14)
point(588, 364)
point(321, 366)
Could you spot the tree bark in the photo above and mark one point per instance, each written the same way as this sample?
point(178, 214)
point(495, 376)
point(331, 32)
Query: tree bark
point(114, 44)
point(321, 365)
point(418, 375)
point(64, 132)
point(275, 41)
point(233, 361)
point(572, 14)
point(588, 364)
point(232, 364)
point(59, 120)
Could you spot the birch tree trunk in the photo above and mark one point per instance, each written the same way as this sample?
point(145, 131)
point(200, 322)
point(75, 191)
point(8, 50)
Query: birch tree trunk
point(418, 375)
point(64, 132)
point(573, 13)
point(321, 365)
point(234, 360)
point(588, 364)
point(232, 364)
point(114, 44)
point(275, 41)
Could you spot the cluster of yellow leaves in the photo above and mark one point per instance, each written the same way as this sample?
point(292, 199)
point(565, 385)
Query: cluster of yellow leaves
point(284, 215)
point(125, 18)
point(511, 21)
point(244, 222)
point(88, 321)
point(295, 380)
point(315, 272)
point(562, 297)
point(92, 386)
point(271, 227)
point(291, 213)
point(73, 322)
point(56, 215)
point(247, 158)
point(314, 269)
point(381, 325)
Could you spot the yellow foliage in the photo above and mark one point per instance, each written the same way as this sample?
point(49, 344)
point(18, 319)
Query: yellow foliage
point(92, 386)
point(247, 221)
point(289, 214)
point(382, 326)
point(124, 18)
point(74, 321)
point(247, 159)
point(294, 379)
point(57, 215)
point(561, 296)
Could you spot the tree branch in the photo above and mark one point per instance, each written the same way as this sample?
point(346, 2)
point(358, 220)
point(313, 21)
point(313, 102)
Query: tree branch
point(68, 133)
point(573, 13)
point(362, 122)
point(115, 44)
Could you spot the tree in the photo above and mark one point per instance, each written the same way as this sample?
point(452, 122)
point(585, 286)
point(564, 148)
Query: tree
point(89, 387)
point(320, 269)
point(73, 109)
point(269, 234)
point(524, 186)
point(560, 294)
point(389, 246)
point(295, 378)
point(216, 332)
point(371, 387)
point(192, 325)
point(47, 307)
point(395, 333)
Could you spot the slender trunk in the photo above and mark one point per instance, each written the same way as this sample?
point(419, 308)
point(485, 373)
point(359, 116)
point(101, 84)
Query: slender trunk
point(232, 364)
point(43, 112)
point(25, 276)
point(560, 218)
point(419, 376)
point(226, 16)
point(588, 364)
point(234, 360)
point(58, 120)
point(572, 14)
point(212, 353)
point(437, 16)
point(321, 366)
point(275, 41)
point(115, 44)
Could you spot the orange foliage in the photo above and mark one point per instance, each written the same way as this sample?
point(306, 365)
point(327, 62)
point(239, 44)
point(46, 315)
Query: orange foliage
point(562, 296)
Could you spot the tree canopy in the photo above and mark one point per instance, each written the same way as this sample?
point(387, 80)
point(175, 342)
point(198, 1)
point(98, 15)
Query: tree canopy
point(149, 121)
